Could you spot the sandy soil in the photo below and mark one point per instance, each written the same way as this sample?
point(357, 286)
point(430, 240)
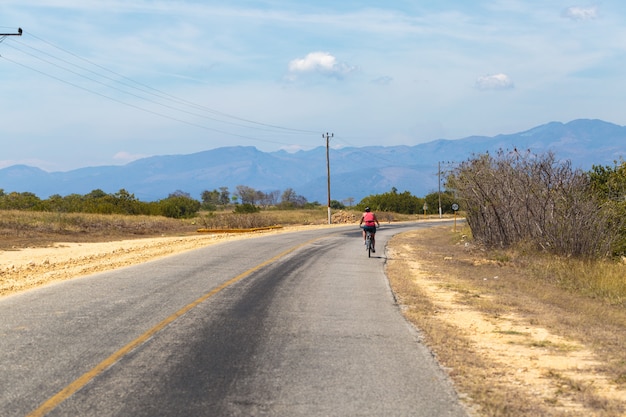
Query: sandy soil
point(28, 268)
point(559, 374)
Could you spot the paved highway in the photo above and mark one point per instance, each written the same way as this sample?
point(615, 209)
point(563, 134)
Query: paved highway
point(293, 324)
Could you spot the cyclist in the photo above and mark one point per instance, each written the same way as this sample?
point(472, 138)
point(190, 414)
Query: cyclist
point(370, 221)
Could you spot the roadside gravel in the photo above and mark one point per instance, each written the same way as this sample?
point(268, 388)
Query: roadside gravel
point(24, 269)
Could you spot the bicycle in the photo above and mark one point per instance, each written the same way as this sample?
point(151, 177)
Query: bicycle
point(368, 242)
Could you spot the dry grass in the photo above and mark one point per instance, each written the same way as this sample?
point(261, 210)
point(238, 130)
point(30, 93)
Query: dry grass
point(230, 220)
point(20, 229)
point(602, 280)
point(518, 296)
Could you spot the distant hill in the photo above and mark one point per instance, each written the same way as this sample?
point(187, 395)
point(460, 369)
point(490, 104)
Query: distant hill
point(355, 172)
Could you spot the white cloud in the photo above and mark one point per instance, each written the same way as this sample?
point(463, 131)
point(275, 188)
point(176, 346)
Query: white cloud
point(124, 157)
point(581, 13)
point(6, 163)
point(321, 63)
point(294, 148)
point(494, 82)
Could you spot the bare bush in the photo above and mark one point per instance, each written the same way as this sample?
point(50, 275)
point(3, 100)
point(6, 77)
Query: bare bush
point(521, 197)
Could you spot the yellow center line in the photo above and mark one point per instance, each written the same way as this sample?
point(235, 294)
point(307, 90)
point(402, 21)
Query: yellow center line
point(77, 384)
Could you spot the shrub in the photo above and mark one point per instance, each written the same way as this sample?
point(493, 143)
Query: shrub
point(392, 201)
point(521, 197)
point(246, 208)
point(179, 207)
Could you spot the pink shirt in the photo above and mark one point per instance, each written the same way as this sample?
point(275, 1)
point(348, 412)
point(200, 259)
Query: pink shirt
point(369, 219)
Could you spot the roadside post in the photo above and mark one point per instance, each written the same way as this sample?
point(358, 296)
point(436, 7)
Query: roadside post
point(455, 207)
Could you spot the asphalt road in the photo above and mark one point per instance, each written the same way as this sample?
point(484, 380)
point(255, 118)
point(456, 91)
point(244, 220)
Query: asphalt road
point(294, 324)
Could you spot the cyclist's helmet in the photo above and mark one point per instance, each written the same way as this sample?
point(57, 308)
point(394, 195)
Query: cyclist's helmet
point(367, 209)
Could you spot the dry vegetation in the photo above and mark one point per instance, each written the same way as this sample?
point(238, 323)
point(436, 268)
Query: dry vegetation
point(229, 220)
point(518, 197)
point(521, 335)
point(22, 229)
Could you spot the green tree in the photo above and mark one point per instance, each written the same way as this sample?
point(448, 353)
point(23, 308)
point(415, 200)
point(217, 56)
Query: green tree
point(54, 203)
point(224, 196)
point(73, 203)
point(432, 201)
point(95, 194)
point(179, 207)
point(337, 205)
point(126, 202)
point(608, 184)
point(97, 201)
point(210, 199)
point(392, 201)
point(291, 200)
point(246, 208)
point(247, 195)
point(20, 201)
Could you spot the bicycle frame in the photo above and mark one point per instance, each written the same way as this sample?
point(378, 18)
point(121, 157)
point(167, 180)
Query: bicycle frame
point(368, 242)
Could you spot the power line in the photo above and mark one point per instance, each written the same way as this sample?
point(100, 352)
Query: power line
point(162, 93)
point(141, 108)
point(171, 102)
point(120, 90)
point(4, 35)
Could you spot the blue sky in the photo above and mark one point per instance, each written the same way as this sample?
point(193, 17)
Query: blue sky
point(101, 82)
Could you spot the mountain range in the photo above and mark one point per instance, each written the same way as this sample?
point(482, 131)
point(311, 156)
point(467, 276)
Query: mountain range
point(356, 172)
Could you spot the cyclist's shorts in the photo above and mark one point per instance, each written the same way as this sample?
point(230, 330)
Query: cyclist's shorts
point(371, 229)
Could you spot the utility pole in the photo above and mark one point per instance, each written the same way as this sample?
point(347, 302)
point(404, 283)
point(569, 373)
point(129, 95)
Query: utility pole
point(327, 136)
point(439, 182)
point(448, 164)
point(4, 35)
